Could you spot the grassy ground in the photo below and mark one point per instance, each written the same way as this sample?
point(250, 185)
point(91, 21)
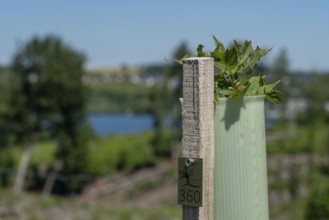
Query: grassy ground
point(106, 154)
point(109, 155)
point(126, 153)
point(123, 153)
point(35, 207)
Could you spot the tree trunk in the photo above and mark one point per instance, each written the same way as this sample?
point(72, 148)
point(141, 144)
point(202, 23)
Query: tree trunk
point(22, 169)
point(51, 178)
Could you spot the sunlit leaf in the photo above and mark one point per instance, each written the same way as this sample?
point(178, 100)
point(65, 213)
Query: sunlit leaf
point(225, 92)
point(274, 97)
point(180, 61)
point(244, 50)
point(230, 58)
point(253, 86)
point(219, 46)
point(217, 54)
point(236, 66)
point(270, 87)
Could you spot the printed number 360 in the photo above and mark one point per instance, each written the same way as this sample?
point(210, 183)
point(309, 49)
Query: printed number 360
point(189, 196)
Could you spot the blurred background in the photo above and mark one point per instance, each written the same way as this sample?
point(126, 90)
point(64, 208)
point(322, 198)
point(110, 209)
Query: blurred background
point(90, 122)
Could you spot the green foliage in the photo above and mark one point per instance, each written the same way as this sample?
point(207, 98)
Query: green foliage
point(49, 79)
point(307, 140)
point(72, 149)
point(6, 136)
point(125, 153)
point(48, 97)
point(317, 207)
point(118, 98)
point(160, 101)
point(105, 156)
point(8, 163)
point(43, 153)
point(237, 66)
point(175, 73)
point(161, 143)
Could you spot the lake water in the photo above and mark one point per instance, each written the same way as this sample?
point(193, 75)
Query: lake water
point(108, 124)
point(105, 124)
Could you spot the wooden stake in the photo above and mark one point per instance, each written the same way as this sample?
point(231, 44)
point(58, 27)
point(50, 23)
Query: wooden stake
point(198, 128)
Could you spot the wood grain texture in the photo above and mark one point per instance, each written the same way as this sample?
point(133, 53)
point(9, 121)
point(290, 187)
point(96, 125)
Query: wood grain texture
point(198, 128)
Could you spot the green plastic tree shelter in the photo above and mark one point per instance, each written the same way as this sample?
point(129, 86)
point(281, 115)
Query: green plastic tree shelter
point(240, 159)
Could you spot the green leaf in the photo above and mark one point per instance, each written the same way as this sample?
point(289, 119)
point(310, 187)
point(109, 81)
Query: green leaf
point(217, 54)
point(231, 58)
point(261, 81)
point(225, 92)
point(180, 61)
point(253, 86)
point(270, 87)
point(219, 46)
point(244, 52)
point(256, 55)
point(236, 66)
point(239, 89)
point(274, 97)
point(221, 66)
point(200, 51)
point(249, 72)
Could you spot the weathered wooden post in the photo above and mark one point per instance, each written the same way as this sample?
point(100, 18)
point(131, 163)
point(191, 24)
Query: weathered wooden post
point(196, 167)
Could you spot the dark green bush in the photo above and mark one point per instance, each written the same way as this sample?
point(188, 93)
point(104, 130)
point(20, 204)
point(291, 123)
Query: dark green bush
point(317, 207)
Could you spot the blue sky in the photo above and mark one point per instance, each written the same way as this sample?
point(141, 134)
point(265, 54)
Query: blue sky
point(113, 33)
